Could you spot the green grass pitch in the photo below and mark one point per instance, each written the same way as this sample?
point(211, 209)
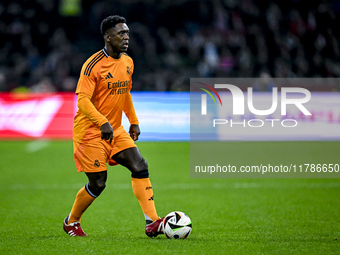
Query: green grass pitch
point(38, 184)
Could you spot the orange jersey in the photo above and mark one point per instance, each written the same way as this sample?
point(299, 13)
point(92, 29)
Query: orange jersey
point(107, 83)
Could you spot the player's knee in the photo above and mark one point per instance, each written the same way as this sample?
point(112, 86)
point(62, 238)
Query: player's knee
point(144, 164)
point(95, 188)
point(138, 166)
point(100, 185)
point(141, 170)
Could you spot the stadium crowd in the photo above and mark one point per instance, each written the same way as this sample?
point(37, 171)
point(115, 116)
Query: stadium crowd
point(45, 42)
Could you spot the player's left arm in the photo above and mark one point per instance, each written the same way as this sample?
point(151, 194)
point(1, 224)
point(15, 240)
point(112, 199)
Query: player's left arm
point(130, 113)
point(129, 110)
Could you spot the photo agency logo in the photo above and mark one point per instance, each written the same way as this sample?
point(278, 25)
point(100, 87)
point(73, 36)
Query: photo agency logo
point(294, 96)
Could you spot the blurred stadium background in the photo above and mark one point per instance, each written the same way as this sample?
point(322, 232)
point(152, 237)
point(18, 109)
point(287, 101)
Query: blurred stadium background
point(45, 42)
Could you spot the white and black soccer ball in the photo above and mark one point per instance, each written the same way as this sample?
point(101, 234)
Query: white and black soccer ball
point(177, 225)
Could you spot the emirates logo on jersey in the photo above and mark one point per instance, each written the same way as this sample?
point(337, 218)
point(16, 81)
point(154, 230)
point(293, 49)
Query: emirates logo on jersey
point(119, 87)
point(128, 71)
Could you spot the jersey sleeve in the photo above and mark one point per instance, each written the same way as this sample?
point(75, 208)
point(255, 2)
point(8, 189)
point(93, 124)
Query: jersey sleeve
point(86, 106)
point(129, 110)
point(86, 83)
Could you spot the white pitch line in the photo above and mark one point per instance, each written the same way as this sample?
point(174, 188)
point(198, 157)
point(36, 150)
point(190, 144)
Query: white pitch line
point(181, 186)
point(37, 145)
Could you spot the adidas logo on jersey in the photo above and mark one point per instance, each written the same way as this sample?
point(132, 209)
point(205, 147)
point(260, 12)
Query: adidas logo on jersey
point(108, 76)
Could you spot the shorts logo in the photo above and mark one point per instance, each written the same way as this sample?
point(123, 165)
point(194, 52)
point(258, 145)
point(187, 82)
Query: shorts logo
point(128, 71)
point(147, 188)
point(151, 198)
point(96, 163)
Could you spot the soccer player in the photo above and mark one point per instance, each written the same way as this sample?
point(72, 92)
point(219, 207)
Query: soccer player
point(98, 137)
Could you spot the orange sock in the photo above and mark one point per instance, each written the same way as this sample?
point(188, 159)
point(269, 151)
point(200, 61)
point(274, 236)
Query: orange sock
point(82, 202)
point(143, 191)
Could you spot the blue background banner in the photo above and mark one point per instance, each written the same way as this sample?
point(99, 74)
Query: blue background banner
point(162, 115)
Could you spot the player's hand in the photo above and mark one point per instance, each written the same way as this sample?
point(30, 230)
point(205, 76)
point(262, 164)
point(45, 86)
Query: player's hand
point(106, 131)
point(134, 132)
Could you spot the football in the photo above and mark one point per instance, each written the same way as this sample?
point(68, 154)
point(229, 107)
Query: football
point(177, 225)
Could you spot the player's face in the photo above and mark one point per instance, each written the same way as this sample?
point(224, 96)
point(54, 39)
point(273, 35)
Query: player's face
point(119, 37)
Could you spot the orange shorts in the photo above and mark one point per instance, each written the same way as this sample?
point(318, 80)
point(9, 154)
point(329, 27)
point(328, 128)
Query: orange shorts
point(92, 155)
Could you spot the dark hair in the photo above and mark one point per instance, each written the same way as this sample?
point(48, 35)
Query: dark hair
point(110, 22)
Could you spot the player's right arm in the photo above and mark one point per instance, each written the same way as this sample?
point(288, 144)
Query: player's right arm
point(90, 111)
point(85, 89)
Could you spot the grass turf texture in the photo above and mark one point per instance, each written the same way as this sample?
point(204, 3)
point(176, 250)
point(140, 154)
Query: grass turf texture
point(230, 216)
